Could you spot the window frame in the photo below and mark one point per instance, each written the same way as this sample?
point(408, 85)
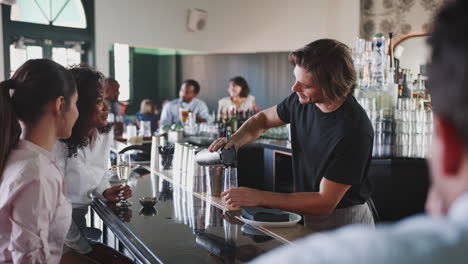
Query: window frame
point(56, 35)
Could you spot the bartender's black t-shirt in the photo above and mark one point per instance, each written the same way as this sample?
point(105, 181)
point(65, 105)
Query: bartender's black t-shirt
point(335, 145)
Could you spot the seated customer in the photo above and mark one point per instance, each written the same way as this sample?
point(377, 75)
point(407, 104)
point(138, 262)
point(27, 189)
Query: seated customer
point(84, 157)
point(34, 212)
point(238, 98)
point(112, 88)
point(148, 112)
point(188, 91)
point(442, 235)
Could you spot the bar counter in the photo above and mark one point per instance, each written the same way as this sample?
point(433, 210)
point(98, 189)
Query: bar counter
point(169, 234)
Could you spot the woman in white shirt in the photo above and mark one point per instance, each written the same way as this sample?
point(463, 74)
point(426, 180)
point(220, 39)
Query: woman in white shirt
point(239, 98)
point(84, 160)
point(34, 212)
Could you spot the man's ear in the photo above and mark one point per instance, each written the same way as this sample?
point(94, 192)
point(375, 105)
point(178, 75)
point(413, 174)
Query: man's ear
point(451, 146)
point(59, 105)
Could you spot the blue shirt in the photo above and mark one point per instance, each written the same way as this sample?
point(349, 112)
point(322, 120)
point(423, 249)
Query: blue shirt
point(170, 112)
point(418, 239)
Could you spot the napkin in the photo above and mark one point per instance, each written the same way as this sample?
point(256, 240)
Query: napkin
point(265, 214)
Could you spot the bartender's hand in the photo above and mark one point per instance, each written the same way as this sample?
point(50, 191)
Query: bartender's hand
point(243, 197)
point(116, 193)
point(218, 143)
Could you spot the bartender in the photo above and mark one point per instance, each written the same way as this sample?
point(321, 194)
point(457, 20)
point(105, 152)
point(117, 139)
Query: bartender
point(331, 138)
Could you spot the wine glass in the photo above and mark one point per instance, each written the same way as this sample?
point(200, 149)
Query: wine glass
point(123, 171)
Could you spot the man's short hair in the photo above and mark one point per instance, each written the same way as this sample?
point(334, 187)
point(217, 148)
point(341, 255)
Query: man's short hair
point(331, 65)
point(448, 68)
point(194, 83)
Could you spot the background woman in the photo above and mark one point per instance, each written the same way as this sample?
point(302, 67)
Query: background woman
point(84, 159)
point(238, 98)
point(148, 112)
point(34, 212)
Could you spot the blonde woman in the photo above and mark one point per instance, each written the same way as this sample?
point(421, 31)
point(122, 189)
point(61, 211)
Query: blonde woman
point(148, 112)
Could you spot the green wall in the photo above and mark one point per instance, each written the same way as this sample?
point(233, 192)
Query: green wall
point(153, 76)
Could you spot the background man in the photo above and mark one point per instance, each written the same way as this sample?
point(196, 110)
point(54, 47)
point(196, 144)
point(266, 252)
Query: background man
point(187, 100)
point(112, 87)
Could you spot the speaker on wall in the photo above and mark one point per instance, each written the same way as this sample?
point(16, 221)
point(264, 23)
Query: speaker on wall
point(196, 20)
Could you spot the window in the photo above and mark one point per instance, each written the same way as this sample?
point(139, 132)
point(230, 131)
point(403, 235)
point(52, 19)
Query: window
point(66, 56)
point(65, 13)
point(19, 55)
point(61, 30)
point(122, 69)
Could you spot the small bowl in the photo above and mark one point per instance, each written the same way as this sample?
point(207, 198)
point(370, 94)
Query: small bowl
point(148, 201)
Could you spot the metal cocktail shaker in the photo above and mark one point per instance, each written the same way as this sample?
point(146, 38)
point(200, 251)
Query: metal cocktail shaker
point(222, 157)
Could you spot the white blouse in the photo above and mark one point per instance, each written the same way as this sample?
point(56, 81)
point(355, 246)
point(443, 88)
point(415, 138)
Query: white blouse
point(86, 173)
point(34, 213)
point(226, 104)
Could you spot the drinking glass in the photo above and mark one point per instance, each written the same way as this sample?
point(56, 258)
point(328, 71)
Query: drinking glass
point(184, 115)
point(145, 129)
point(123, 171)
point(230, 178)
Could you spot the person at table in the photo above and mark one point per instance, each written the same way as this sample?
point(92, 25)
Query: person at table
point(112, 88)
point(187, 101)
point(239, 96)
point(331, 139)
point(148, 112)
point(34, 211)
point(83, 159)
point(441, 235)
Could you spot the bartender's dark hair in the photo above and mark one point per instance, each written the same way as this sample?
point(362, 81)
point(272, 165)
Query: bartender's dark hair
point(33, 86)
point(238, 80)
point(89, 83)
point(331, 65)
point(448, 69)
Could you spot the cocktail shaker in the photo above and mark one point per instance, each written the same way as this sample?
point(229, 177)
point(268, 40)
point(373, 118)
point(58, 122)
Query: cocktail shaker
point(222, 157)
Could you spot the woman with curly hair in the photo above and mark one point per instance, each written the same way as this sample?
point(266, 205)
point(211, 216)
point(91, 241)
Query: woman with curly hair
point(85, 157)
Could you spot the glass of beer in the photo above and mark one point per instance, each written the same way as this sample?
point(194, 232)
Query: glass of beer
point(184, 115)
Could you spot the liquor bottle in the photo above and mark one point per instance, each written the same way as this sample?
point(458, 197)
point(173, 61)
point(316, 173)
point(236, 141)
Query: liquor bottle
point(233, 121)
point(221, 123)
point(407, 84)
point(400, 84)
point(378, 65)
point(392, 76)
point(240, 118)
